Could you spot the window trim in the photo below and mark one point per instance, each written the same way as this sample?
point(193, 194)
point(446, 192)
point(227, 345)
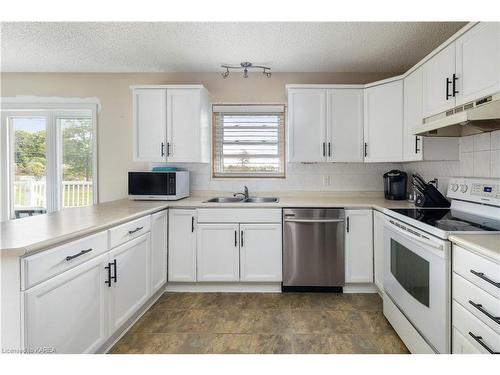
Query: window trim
point(253, 175)
point(52, 111)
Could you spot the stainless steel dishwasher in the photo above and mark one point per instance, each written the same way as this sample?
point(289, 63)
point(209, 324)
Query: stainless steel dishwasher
point(313, 249)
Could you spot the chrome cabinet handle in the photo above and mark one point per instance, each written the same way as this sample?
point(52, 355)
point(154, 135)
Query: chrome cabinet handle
point(479, 339)
point(162, 149)
point(71, 257)
point(448, 95)
point(366, 149)
point(480, 307)
point(324, 149)
point(135, 230)
point(329, 149)
point(114, 273)
point(314, 220)
point(168, 148)
point(348, 226)
point(192, 224)
point(235, 238)
point(241, 238)
point(482, 276)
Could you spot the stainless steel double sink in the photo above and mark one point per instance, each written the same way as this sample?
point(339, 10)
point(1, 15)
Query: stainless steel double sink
point(243, 200)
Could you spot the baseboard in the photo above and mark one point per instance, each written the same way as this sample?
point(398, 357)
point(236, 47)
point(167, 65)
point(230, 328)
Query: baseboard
point(122, 331)
point(408, 334)
point(360, 288)
point(224, 287)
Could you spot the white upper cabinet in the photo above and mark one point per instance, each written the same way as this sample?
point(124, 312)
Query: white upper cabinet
point(383, 122)
point(150, 119)
point(345, 125)
point(158, 250)
point(171, 123)
point(325, 124)
point(478, 62)
point(412, 144)
point(438, 75)
point(188, 125)
point(218, 252)
point(306, 125)
point(181, 245)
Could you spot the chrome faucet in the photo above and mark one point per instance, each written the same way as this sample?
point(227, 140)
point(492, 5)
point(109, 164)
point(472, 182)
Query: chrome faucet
point(245, 193)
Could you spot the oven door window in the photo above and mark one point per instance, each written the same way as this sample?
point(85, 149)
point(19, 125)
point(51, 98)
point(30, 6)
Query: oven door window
point(411, 271)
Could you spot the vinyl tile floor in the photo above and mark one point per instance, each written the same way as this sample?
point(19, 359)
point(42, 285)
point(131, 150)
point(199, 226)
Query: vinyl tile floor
point(261, 323)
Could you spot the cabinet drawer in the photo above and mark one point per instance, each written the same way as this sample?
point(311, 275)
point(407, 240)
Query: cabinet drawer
point(469, 325)
point(42, 266)
point(481, 304)
point(462, 345)
point(239, 215)
point(477, 270)
point(125, 232)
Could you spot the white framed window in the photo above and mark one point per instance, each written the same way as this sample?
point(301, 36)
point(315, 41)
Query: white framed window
point(49, 158)
point(248, 141)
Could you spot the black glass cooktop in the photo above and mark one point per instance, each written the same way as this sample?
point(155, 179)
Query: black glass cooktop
point(449, 220)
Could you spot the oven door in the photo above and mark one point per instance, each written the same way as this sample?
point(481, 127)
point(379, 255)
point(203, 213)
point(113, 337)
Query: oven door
point(417, 279)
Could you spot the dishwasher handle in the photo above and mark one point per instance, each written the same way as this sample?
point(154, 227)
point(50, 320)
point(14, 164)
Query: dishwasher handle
point(314, 220)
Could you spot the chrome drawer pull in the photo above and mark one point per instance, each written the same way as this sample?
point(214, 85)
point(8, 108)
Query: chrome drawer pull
point(71, 257)
point(479, 339)
point(482, 276)
point(496, 319)
point(135, 230)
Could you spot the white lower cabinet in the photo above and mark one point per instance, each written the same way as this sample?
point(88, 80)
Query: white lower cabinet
point(182, 245)
point(159, 227)
point(378, 250)
point(260, 252)
point(69, 312)
point(461, 345)
point(218, 255)
point(130, 279)
point(359, 246)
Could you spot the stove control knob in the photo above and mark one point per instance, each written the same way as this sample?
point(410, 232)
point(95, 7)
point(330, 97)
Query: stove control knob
point(463, 188)
point(454, 187)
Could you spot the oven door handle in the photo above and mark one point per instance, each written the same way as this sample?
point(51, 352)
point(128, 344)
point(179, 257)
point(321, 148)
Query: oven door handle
point(424, 240)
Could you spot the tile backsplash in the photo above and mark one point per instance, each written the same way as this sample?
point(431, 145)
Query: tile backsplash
point(480, 155)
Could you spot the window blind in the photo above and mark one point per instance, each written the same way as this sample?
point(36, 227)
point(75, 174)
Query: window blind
point(249, 142)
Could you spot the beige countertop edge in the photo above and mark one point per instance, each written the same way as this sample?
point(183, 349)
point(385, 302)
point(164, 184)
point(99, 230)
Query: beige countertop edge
point(484, 244)
point(60, 240)
point(198, 202)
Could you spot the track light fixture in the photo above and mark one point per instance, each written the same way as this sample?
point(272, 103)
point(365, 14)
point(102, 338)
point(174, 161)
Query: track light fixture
point(245, 65)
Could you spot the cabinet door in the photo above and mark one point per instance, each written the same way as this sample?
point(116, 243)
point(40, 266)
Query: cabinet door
point(130, 287)
point(462, 345)
point(183, 125)
point(435, 74)
point(345, 125)
point(69, 312)
point(412, 144)
point(306, 125)
point(359, 246)
point(218, 252)
point(150, 124)
point(378, 249)
point(260, 252)
point(478, 62)
point(383, 112)
point(181, 245)
point(158, 250)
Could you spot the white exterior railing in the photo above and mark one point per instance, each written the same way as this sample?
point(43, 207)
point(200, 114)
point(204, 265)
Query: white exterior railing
point(33, 194)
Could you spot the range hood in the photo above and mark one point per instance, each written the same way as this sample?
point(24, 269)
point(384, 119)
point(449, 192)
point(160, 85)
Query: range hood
point(472, 118)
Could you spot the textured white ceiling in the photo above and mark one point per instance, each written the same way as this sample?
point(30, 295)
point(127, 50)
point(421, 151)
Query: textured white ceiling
point(203, 46)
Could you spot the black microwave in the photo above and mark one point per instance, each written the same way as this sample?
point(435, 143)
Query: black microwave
point(158, 185)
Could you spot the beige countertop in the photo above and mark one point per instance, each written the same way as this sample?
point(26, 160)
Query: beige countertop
point(32, 234)
point(487, 245)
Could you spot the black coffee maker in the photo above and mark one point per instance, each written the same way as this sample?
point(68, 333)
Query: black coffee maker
point(395, 183)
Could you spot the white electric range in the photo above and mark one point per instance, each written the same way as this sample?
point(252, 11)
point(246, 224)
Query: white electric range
point(417, 260)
